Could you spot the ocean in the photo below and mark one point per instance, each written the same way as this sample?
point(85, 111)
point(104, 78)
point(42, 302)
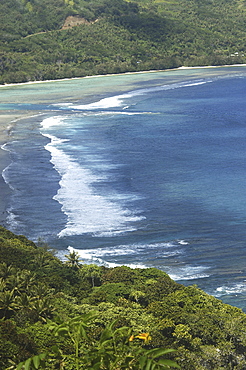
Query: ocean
point(143, 170)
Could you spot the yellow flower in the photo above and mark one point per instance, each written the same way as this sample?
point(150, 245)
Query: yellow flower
point(144, 336)
point(131, 338)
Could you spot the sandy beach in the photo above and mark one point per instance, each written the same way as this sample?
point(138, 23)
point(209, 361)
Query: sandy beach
point(124, 73)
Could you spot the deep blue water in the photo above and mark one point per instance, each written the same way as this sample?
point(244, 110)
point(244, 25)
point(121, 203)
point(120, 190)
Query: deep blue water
point(152, 175)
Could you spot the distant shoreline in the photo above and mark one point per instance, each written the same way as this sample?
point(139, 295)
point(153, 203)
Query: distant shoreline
point(122, 74)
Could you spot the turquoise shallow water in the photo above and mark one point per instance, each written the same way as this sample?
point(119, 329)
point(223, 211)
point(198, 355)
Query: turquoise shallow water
point(139, 169)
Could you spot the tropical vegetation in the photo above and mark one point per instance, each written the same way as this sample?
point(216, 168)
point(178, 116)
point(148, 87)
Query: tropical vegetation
point(52, 39)
point(68, 315)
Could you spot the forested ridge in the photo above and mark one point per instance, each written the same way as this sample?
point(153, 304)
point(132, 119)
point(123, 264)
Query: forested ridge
point(115, 36)
point(72, 316)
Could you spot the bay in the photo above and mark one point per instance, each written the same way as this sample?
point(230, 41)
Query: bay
point(145, 170)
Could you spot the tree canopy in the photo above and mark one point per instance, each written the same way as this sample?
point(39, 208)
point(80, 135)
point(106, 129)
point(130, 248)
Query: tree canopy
point(63, 315)
point(115, 36)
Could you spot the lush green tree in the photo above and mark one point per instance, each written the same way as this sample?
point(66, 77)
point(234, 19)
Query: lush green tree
point(128, 303)
point(73, 259)
point(91, 272)
point(118, 36)
point(112, 350)
point(7, 303)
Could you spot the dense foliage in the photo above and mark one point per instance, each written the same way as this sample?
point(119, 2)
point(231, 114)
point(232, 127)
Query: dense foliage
point(118, 36)
point(66, 315)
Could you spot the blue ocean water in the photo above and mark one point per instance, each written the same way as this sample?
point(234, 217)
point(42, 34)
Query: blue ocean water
point(149, 171)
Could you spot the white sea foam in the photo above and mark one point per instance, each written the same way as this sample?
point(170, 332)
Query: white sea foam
point(188, 272)
point(93, 256)
point(99, 256)
point(105, 255)
point(52, 121)
point(183, 242)
point(5, 172)
point(120, 100)
point(5, 176)
point(11, 219)
point(231, 289)
point(110, 102)
point(114, 101)
point(5, 147)
point(86, 211)
point(53, 141)
point(102, 256)
point(123, 113)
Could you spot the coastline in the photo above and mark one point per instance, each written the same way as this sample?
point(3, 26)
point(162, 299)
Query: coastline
point(8, 118)
point(42, 97)
point(122, 74)
point(7, 122)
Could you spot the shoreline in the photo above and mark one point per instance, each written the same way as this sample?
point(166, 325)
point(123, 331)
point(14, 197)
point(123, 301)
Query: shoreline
point(122, 74)
point(9, 117)
point(7, 122)
point(13, 121)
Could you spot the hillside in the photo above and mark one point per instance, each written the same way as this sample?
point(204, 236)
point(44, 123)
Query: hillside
point(66, 315)
point(54, 39)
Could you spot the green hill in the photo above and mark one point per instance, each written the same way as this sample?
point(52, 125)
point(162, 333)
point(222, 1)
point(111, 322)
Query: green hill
point(70, 316)
point(114, 36)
